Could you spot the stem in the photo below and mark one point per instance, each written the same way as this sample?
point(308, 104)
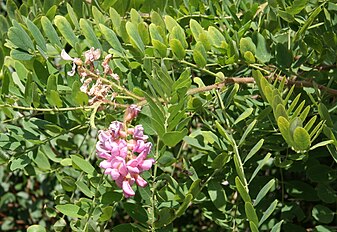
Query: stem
point(92, 207)
point(114, 85)
point(154, 187)
point(46, 109)
point(196, 67)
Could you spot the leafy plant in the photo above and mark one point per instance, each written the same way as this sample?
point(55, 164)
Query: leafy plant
point(234, 99)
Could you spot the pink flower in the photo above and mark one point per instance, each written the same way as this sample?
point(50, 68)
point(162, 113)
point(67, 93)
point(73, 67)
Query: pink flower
point(76, 61)
point(139, 133)
point(121, 161)
point(115, 128)
point(92, 55)
point(131, 112)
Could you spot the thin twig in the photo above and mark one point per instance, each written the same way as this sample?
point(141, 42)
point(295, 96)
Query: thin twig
point(248, 80)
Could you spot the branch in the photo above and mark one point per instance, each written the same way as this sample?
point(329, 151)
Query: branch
point(247, 80)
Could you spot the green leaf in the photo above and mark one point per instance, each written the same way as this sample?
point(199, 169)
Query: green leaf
point(136, 211)
point(199, 55)
point(182, 208)
point(322, 144)
point(35, 31)
point(172, 138)
point(321, 228)
point(41, 161)
point(177, 49)
point(116, 20)
point(54, 98)
point(71, 210)
point(268, 212)
point(50, 31)
point(19, 37)
point(284, 127)
point(106, 4)
point(277, 227)
point(130, 227)
point(11, 7)
point(297, 7)
point(154, 33)
point(170, 23)
point(196, 29)
point(84, 188)
point(301, 139)
point(261, 164)
point(241, 189)
point(262, 51)
point(73, 16)
point(250, 213)
point(325, 115)
point(204, 39)
point(322, 214)
point(280, 111)
point(293, 104)
point(83, 164)
point(253, 227)
point(106, 214)
point(179, 34)
point(263, 192)
point(68, 183)
point(246, 44)
point(20, 162)
point(157, 19)
point(161, 48)
point(255, 149)
point(112, 39)
point(286, 16)
point(20, 55)
point(165, 217)
point(29, 89)
point(310, 123)
point(66, 30)
point(218, 40)
point(36, 228)
point(307, 23)
point(89, 34)
point(326, 193)
point(244, 115)
point(135, 38)
point(217, 195)
point(283, 55)
point(249, 57)
point(144, 32)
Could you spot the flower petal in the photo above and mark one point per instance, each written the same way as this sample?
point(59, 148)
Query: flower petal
point(65, 55)
point(141, 182)
point(146, 164)
point(114, 174)
point(105, 164)
point(127, 188)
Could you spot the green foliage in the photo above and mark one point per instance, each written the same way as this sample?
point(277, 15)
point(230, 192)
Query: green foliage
point(238, 98)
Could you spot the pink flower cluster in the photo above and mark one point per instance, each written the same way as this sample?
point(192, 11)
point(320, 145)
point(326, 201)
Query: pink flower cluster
point(124, 151)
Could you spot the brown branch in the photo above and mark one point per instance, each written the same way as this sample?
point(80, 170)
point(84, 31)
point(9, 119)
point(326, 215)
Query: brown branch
point(248, 80)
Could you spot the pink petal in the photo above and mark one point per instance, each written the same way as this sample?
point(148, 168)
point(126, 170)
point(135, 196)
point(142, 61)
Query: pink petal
point(123, 169)
point(105, 164)
point(119, 181)
point(65, 55)
point(141, 182)
point(133, 170)
point(127, 188)
point(114, 174)
point(146, 164)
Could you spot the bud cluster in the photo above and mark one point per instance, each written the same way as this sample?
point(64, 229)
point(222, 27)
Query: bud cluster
point(97, 91)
